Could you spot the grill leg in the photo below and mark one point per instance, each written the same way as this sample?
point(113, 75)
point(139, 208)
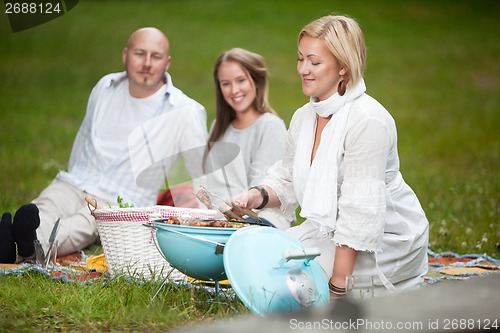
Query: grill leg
point(217, 290)
point(161, 286)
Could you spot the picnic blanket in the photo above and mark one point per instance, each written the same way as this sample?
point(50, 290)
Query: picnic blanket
point(452, 266)
point(81, 268)
point(76, 267)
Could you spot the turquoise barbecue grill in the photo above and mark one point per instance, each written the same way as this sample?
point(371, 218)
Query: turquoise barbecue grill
point(269, 270)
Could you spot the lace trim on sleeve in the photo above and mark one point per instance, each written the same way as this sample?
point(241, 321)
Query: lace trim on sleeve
point(361, 217)
point(277, 180)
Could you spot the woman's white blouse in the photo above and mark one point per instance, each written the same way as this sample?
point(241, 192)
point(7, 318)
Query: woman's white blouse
point(376, 211)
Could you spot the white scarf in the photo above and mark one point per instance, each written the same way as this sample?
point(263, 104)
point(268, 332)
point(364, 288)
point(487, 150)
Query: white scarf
point(318, 180)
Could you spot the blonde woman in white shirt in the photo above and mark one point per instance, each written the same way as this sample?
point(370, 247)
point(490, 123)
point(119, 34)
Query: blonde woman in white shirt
point(342, 167)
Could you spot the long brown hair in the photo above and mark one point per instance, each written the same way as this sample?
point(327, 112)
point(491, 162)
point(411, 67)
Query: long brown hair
point(255, 66)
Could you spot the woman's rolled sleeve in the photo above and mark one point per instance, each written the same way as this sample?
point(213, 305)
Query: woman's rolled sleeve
point(279, 180)
point(360, 224)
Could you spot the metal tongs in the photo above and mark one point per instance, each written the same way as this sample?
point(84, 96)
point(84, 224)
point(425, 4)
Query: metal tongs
point(213, 201)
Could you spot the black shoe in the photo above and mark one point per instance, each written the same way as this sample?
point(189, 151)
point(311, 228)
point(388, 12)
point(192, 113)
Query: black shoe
point(7, 246)
point(26, 221)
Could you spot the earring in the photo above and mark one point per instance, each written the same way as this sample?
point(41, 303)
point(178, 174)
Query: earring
point(342, 87)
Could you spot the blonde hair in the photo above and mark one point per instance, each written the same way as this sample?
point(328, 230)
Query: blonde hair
point(344, 38)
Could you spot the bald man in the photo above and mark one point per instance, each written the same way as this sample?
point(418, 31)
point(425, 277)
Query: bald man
point(136, 125)
point(146, 59)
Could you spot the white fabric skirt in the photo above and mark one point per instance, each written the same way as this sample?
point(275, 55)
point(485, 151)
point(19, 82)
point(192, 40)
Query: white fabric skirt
point(312, 235)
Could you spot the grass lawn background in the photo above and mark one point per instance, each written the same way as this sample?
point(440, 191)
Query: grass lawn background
point(432, 64)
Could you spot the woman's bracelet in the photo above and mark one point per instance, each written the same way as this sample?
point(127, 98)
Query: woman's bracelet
point(336, 290)
point(265, 195)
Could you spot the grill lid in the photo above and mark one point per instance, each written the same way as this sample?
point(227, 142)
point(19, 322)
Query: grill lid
point(271, 271)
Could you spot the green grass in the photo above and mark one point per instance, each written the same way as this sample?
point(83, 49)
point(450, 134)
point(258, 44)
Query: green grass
point(32, 302)
point(433, 64)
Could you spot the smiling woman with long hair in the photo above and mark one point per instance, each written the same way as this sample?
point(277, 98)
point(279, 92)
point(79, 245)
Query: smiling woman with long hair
point(247, 135)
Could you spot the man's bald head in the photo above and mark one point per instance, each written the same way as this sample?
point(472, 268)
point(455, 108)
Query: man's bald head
point(146, 59)
point(151, 33)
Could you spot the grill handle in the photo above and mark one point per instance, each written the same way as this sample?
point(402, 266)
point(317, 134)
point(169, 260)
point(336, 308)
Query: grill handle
point(298, 254)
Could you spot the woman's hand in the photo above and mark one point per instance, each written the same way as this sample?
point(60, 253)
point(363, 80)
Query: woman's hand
point(250, 199)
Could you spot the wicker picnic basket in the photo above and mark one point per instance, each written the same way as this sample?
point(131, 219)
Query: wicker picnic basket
point(129, 246)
